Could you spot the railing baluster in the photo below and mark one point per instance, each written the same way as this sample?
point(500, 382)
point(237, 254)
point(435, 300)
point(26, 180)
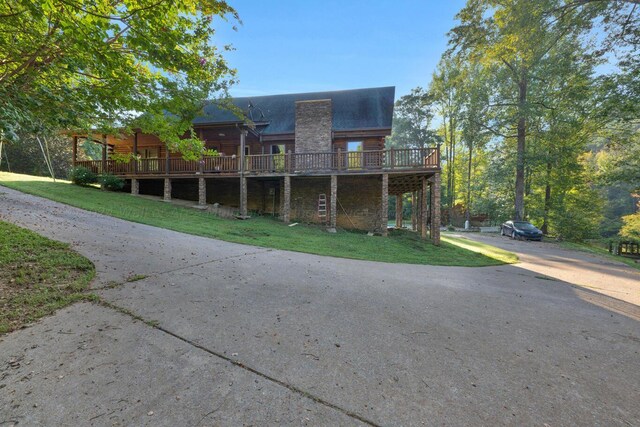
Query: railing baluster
point(392, 159)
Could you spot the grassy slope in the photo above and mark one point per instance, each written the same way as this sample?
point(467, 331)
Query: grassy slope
point(400, 247)
point(37, 276)
point(601, 251)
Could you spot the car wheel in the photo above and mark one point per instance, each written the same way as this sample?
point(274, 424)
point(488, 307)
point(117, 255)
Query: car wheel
point(502, 231)
point(513, 235)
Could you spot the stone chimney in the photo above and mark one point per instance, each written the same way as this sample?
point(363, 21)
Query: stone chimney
point(314, 121)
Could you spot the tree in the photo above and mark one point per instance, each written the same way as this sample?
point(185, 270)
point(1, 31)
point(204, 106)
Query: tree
point(412, 121)
point(515, 38)
point(475, 88)
point(27, 157)
point(80, 64)
point(631, 228)
point(445, 86)
point(618, 165)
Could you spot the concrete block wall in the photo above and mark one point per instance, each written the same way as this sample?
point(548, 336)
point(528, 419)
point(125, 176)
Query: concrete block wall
point(152, 187)
point(259, 198)
point(304, 197)
point(360, 196)
point(185, 189)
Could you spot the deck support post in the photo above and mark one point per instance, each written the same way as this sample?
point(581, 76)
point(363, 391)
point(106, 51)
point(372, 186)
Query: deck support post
point(384, 205)
point(202, 192)
point(135, 152)
point(398, 210)
point(74, 159)
point(104, 153)
point(243, 179)
point(243, 196)
point(419, 212)
point(333, 202)
point(414, 203)
point(167, 161)
point(286, 207)
point(423, 208)
point(167, 190)
point(135, 187)
point(435, 209)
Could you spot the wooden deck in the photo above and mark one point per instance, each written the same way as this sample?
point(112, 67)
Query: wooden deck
point(353, 162)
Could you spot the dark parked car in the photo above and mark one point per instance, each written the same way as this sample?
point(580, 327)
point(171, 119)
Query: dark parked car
point(520, 230)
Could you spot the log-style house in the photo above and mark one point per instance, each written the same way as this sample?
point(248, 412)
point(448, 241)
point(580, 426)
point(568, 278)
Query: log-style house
point(311, 157)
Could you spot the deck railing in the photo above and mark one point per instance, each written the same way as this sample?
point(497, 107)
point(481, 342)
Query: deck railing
point(414, 159)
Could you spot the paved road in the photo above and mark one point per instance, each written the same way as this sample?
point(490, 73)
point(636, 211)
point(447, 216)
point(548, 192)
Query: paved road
point(600, 274)
point(254, 336)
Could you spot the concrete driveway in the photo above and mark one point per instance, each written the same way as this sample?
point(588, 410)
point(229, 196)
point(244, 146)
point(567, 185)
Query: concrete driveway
point(600, 274)
point(226, 334)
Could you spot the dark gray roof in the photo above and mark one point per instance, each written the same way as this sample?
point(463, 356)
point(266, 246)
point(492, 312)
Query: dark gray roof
point(352, 109)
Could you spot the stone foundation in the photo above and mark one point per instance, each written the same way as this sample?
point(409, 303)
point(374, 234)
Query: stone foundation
point(435, 209)
point(384, 206)
point(358, 198)
point(167, 189)
point(202, 192)
point(286, 202)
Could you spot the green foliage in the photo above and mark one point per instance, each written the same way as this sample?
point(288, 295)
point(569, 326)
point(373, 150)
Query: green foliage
point(578, 216)
point(631, 228)
point(122, 157)
point(111, 182)
point(619, 161)
point(25, 156)
point(522, 115)
point(82, 176)
point(413, 116)
point(91, 65)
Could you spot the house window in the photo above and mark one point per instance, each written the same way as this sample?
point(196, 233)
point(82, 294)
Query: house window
point(150, 153)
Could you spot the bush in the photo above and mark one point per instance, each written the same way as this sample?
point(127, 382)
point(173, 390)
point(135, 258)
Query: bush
point(631, 228)
point(111, 183)
point(82, 176)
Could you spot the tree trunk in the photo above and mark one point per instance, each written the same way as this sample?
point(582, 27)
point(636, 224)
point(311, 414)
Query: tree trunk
point(446, 147)
point(547, 201)
point(468, 213)
point(522, 129)
point(452, 192)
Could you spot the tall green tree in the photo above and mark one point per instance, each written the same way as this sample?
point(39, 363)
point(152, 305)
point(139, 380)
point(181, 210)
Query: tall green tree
point(475, 89)
point(445, 87)
point(413, 121)
point(515, 37)
point(98, 64)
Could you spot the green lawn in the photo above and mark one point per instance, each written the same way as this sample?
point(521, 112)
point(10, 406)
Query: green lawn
point(399, 247)
point(37, 276)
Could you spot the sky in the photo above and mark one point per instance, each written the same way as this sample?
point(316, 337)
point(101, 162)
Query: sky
point(289, 46)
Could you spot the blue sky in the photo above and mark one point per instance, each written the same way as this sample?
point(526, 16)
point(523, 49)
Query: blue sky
point(291, 46)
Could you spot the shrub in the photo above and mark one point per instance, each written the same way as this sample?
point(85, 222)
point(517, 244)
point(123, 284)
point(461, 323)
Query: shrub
point(82, 176)
point(111, 183)
point(121, 157)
